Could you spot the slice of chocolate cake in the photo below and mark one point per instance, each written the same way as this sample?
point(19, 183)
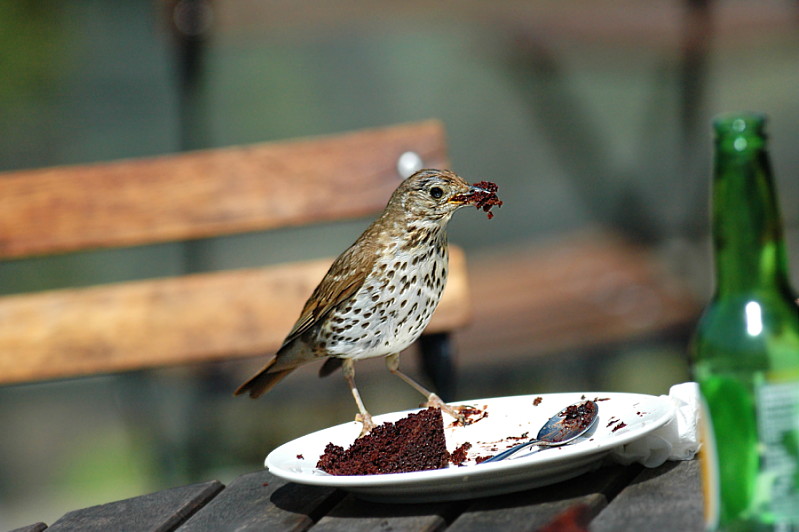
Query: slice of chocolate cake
point(413, 443)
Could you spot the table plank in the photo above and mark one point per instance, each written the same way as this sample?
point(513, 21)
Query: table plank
point(161, 511)
point(356, 515)
point(35, 527)
point(667, 498)
point(261, 501)
point(535, 508)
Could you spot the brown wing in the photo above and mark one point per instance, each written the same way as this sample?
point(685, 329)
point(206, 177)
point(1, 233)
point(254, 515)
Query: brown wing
point(344, 278)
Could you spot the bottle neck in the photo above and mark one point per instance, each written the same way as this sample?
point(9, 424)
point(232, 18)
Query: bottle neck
point(747, 231)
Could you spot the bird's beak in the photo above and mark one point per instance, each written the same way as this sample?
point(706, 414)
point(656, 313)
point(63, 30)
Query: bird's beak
point(467, 197)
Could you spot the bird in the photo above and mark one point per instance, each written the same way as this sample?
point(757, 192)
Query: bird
point(379, 295)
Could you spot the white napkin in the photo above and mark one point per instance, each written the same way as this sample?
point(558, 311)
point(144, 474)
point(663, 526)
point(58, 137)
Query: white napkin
point(678, 439)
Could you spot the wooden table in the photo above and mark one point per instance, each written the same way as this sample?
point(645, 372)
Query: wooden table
point(612, 498)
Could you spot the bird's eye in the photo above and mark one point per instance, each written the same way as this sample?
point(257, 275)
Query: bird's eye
point(436, 192)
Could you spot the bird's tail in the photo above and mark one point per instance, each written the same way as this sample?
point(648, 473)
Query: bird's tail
point(262, 382)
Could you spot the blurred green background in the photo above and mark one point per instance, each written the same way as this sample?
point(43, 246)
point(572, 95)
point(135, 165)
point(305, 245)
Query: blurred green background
point(588, 114)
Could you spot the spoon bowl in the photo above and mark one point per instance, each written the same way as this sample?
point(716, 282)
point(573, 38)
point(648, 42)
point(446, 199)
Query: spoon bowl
point(567, 425)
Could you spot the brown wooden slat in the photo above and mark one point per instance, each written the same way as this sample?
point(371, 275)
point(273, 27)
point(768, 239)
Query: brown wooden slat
point(155, 512)
point(172, 321)
point(206, 193)
point(355, 515)
point(35, 527)
point(664, 499)
point(260, 501)
point(583, 289)
point(535, 508)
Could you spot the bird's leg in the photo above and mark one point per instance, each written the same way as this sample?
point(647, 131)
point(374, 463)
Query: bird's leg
point(363, 416)
point(392, 362)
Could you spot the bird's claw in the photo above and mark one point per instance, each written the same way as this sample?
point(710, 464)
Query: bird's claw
point(454, 411)
point(366, 423)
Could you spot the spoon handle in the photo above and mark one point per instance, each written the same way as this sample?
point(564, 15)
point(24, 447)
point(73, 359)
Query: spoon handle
point(513, 450)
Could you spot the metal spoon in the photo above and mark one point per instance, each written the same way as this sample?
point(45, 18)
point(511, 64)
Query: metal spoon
point(565, 426)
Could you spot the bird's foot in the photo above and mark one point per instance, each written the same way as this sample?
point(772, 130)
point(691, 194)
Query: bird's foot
point(366, 423)
point(454, 411)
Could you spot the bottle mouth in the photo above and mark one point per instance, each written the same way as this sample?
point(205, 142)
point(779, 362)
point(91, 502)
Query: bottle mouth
point(740, 123)
point(740, 132)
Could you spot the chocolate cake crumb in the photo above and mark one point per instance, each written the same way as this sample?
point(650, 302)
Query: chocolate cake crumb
point(484, 199)
point(458, 456)
point(617, 422)
point(579, 416)
point(413, 443)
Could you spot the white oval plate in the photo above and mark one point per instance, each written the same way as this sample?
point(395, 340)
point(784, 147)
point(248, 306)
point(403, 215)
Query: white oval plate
point(623, 417)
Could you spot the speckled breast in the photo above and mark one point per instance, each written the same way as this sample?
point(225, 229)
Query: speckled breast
point(393, 306)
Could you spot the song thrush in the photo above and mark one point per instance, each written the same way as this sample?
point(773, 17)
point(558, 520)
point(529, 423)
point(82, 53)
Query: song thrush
point(379, 295)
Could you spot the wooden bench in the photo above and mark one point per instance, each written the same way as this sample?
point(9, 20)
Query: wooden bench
point(587, 291)
point(206, 316)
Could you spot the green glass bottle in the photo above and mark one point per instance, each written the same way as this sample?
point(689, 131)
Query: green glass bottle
point(746, 346)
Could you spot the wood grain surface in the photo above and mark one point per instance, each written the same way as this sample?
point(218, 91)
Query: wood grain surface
point(619, 498)
point(208, 193)
point(173, 321)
